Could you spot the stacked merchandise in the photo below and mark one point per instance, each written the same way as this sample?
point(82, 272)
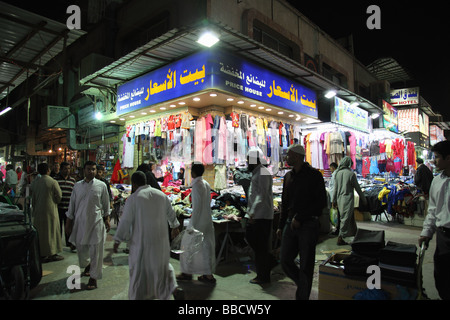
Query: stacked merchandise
point(398, 263)
point(368, 242)
point(366, 248)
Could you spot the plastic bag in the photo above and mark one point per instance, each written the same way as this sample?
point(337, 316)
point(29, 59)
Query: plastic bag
point(189, 240)
point(333, 216)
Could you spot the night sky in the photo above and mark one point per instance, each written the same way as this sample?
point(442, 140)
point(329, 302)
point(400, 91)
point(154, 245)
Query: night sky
point(414, 33)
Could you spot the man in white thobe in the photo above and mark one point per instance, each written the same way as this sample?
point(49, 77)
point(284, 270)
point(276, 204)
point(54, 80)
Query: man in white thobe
point(199, 260)
point(144, 226)
point(88, 221)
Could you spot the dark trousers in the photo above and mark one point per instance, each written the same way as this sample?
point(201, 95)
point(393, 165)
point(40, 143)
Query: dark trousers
point(442, 264)
point(302, 242)
point(259, 237)
point(62, 223)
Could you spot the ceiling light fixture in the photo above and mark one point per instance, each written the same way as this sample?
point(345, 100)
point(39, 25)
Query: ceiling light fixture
point(208, 39)
point(98, 116)
point(375, 115)
point(330, 94)
point(5, 111)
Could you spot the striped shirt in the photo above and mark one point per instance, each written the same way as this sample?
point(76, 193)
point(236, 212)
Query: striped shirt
point(66, 186)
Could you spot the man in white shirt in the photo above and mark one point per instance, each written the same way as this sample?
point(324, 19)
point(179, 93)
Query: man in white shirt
point(438, 219)
point(260, 215)
point(11, 177)
point(88, 222)
point(144, 225)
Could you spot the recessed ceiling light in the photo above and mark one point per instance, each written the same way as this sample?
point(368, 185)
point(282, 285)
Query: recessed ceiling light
point(280, 112)
point(112, 121)
point(181, 103)
point(122, 119)
point(253, 105)
point(291, 116)
point(131, 116)
point(260, 108)
point(269, 109)
point(241, 102)
point(230, 99)
point(143, 113)
point(152, 111)
point(213, 94)
point(196, 99)
point(173, 105)
point(162, 108)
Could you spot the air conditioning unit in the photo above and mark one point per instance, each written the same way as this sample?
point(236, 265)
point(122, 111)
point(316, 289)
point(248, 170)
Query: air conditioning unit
point(55, 117)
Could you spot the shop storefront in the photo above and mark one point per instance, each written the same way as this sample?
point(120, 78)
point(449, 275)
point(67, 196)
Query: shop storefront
point(248, 106)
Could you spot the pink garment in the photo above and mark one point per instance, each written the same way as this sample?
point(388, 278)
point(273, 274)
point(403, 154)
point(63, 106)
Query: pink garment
point(352, 140)
point(222, 136)
point(198, 139)
point(207, 150)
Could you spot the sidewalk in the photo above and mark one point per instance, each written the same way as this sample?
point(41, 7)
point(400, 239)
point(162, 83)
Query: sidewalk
point(232, 276)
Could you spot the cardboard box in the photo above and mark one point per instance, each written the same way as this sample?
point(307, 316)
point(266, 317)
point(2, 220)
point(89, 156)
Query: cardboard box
point(362, 216)
point(334, 284)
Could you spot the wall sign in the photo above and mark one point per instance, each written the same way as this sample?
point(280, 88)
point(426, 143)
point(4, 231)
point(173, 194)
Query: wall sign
point(215, 70)
point(350, 116)
point(390, 117)
point(405, 97)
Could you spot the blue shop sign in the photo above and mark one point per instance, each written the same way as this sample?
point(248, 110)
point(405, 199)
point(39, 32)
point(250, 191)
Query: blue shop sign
point(213, 70)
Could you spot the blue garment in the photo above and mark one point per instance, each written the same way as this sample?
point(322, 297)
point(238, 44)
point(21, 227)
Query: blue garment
point(374, 166)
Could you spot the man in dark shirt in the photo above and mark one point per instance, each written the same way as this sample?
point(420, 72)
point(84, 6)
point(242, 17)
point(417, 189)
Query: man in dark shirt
point(423, 177)
point(66, 183)
point(303, 199)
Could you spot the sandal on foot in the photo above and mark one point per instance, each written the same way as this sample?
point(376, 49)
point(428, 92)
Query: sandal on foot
point(92, 284)
point(86, 272)
point(258, 281)
point(184, 277)
point(56, 257)
point(206, 279)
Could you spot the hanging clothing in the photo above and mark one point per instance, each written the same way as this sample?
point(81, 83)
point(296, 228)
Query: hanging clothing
point(207, 151)
point(220, 177)
point(365, 166)
point(198, 140)
point(144, 226)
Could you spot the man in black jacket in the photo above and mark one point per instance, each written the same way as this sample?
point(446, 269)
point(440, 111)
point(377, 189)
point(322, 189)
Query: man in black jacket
point(423, 177)
point(304, 197)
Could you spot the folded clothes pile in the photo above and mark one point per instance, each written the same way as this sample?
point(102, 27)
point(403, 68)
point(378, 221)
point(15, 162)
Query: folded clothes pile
point(398, 263)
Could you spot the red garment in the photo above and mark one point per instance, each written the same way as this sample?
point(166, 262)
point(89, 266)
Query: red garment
point(168, 177)
point(235, 119)
point(398, 149)
point(178, 121)
point(365, 166)
point(115, 175)
point(390, 167)
point(171, 123)
point(184, 194)
point(280, 131)
point(382, 147)
point(411, 154)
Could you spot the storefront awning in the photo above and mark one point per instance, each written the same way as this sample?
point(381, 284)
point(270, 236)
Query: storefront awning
point(29, 41)
point(179, 43)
